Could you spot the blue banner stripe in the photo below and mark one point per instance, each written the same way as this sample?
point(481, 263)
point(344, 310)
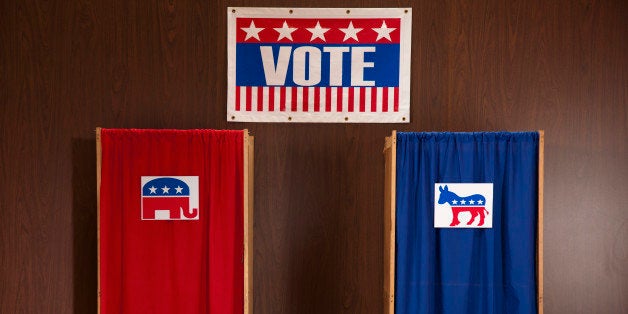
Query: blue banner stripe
point(384, 59)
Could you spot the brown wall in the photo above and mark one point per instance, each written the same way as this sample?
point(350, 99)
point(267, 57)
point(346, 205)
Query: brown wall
point(69, 66)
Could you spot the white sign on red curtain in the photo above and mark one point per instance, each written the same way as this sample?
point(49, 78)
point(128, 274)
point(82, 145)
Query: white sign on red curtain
point(319, 65)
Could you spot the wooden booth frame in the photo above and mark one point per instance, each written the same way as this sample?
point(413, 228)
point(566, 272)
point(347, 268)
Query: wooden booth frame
point(390, 156)
point(248, 165)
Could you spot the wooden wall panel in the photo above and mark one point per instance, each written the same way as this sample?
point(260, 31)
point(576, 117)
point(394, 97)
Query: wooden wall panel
point(67, 67)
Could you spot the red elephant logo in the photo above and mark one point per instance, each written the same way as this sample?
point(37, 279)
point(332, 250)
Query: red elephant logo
point(170, 198)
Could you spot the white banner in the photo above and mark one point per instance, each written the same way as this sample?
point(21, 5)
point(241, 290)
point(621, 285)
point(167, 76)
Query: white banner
point(319, 65)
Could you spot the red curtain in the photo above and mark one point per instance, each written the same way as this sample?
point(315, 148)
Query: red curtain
point(171, 265)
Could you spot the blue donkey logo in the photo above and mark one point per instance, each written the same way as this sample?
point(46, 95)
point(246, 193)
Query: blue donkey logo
point(474, 204)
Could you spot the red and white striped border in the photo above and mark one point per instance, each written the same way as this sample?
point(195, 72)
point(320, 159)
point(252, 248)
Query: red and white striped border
point(316, 99)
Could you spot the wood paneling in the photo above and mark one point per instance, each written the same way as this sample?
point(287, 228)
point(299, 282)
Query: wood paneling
point(67, 67)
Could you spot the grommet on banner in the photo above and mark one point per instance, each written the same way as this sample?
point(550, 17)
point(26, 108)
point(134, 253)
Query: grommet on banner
point(289, 118)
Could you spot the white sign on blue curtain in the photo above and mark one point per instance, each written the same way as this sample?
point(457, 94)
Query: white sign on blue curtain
point(463, 205)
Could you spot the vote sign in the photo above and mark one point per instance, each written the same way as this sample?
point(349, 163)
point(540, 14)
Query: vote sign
point(319, 65)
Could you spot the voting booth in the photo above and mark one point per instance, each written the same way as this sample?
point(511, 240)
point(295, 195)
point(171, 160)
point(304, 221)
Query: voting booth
point(175, 221)
point(464, 222)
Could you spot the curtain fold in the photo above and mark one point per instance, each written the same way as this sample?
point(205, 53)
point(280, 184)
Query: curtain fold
point(451, 270)
point(171, 265)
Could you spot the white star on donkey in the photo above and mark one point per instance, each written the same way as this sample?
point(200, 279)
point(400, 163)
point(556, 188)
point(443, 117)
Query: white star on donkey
point(384, 31)
point(350, 32)
point(252, 31)
point(285, 31)
point(318, 31)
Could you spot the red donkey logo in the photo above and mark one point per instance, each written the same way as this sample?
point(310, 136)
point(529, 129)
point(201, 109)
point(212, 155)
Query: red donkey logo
point(473, 204)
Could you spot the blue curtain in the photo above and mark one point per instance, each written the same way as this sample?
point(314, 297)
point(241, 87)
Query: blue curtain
point(467, 270)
